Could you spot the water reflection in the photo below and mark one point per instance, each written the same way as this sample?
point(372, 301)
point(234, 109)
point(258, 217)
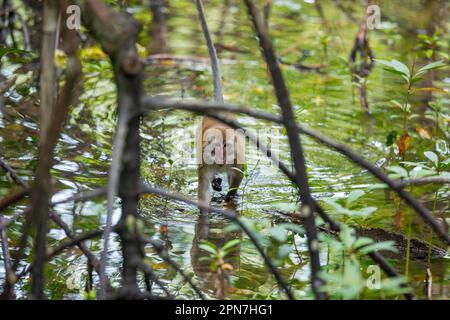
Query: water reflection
point(214, 271)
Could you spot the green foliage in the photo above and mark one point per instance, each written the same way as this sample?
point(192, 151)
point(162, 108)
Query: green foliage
point(17, 55)
point(89, 295)
point(347, 280)
point(401, 69)
point(218, 255)
point(350, 207)
point(433, 45)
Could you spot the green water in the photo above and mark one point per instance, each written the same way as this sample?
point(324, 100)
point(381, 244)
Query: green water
point(325, 102)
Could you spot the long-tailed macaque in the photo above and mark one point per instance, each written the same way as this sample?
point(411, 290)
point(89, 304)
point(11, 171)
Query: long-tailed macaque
point(219, 149)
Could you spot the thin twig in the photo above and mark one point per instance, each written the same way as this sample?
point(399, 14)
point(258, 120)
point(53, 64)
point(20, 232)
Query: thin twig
point(9, 273)
point(10, 171)
point(218, 94)
point(112, 190)
point(149, 272)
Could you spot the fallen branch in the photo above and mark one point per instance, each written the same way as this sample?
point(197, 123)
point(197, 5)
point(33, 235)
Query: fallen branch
point(303, 67)
point(423, 181)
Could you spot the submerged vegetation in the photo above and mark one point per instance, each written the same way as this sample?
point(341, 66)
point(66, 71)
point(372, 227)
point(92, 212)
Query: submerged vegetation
point(345, 194)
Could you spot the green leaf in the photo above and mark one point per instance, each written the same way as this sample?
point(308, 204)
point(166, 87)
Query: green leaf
point(377, 186)
point(442, 147)
point(419, 172)
point(5, 50)
point(390, 138)
point(379, 246)
point(277, 233)
point(432, 157)
point(208, 246)
point(285, 206)
point(336, 206)
point(284, 250)
point(361, 242)
point(347, 236)
point(398, 171)
point(395, 286)
point(416, 79)
point(430, 66)
point(293, 227)
point(400, 67)
point(397, 66)
point(365, 211)
point(231, 243)
point(355, 195)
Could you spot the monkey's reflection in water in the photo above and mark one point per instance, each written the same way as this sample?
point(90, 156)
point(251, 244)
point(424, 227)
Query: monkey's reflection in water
point(214, 271)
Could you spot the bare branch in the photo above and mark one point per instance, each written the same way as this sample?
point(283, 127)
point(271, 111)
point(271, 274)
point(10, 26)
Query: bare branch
point(12, 173)
point(149, 272)
point(13, 197)
point(8, 291)
point(422, 181)
point(218, 93)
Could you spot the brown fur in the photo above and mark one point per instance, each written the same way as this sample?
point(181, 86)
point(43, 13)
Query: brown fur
point(219, 149)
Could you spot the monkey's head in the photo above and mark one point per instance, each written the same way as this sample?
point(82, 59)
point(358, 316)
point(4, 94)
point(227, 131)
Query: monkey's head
point(219, 146)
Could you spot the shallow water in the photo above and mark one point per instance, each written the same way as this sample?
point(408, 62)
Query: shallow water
point(326, 102)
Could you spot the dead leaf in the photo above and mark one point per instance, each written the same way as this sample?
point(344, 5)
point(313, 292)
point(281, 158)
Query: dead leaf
point(163, 229)
point(161, 265)
point(403, 144)
point(399, 219)
point(424, 133)
point(227, 266)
